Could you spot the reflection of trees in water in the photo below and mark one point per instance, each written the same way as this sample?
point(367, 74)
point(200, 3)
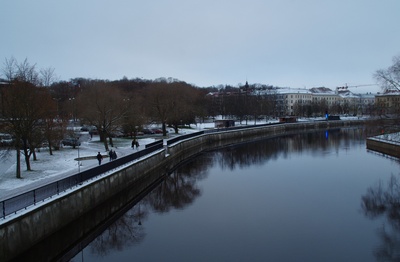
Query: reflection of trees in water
point(176, 191)
point(124, 232)
point(179, 188)
point(260, 151)
point(380, 201)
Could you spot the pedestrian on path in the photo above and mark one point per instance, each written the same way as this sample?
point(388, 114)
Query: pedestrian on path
point(99, 157)
point(110, 154)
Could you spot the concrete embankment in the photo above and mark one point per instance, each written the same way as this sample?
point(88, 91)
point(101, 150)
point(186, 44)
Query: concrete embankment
point(384, 146)
point(78, 212)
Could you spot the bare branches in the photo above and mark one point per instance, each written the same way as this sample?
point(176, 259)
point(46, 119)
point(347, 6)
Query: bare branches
point(48, 76)
point(26, 72)
point(389, 78)
point(104, 107)
point(9, 68)
point(26, 107)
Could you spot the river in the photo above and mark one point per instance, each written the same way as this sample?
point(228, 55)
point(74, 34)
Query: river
point(297, 197)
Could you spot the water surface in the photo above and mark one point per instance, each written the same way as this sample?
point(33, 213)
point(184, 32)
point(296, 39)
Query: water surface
point(292, 198)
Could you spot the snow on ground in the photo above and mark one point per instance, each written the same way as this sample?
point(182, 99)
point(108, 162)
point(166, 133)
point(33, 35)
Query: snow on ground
point(49, 168)
point(392, 138)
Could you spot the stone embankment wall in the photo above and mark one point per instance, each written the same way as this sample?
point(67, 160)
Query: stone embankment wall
point(384, 147)
point(81, 204)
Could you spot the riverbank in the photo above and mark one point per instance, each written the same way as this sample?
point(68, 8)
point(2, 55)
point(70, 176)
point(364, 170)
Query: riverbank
point(388, 144)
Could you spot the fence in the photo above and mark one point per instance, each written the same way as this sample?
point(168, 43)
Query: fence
point(37, 195)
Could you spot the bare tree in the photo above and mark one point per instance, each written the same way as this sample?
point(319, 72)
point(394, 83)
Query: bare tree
point(27, 73)
point(47, 76)
point(24, 108)
point(9, 68)
point(186, 99)
point(160, 102)
point(390, 78)
point(103, 106)
point(171, 103)
point(134, 117)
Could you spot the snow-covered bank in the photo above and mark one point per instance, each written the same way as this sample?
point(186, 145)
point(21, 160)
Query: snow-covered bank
point(48, 168)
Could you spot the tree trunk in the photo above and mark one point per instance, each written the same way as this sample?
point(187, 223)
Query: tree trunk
point(50, 149)
point(34, 153)
point(102, 136)
point(27, 162)
point(106, 145)
point(18, 170)
point(26, 155)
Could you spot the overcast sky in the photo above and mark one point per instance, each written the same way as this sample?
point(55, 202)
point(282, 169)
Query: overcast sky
point(287, 43)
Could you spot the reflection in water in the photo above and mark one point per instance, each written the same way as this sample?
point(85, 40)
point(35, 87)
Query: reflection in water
point(380, 201)
point(182, 188)
point(260, 152)
point(177, 191)
point(123, 233)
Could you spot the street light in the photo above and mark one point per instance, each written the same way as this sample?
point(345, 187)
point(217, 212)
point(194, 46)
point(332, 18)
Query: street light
point(79, 160)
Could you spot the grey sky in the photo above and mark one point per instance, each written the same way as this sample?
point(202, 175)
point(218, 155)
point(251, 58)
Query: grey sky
point(291, 43)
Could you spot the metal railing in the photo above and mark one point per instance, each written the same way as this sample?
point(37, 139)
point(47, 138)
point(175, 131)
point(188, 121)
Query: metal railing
point(33, 197)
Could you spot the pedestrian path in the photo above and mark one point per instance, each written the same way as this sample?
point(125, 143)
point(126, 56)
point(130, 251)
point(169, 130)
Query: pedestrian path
point(63, 163)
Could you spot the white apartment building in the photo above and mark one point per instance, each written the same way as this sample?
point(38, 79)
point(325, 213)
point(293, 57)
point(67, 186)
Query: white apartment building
point(291, 97)
point(354, 103)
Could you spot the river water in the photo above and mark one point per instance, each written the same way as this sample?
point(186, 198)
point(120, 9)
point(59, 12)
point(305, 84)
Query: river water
point(292, 198)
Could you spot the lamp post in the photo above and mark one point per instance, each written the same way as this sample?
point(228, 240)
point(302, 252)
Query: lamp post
point(79, 161)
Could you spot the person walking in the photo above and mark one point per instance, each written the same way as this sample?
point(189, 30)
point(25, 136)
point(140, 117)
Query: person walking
point(99, 157)
point(110, 154)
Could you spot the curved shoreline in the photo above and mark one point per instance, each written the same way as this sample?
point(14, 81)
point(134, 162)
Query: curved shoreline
point(53, 216)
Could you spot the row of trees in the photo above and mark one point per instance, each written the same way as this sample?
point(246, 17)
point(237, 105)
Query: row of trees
point(36, 107)
point(320, 107)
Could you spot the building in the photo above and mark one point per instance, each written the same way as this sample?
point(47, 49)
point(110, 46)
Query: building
point(388, 102)
point(289, 97)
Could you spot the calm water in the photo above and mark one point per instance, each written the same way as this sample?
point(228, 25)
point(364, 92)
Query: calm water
point(293, 198)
